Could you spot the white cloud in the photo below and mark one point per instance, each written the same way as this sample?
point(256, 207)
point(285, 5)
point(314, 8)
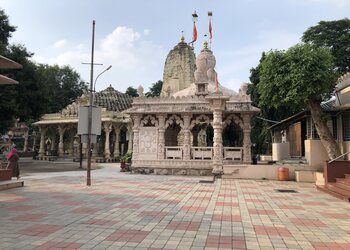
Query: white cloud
point(60, 44)
point(146, 32)
point(131, 56)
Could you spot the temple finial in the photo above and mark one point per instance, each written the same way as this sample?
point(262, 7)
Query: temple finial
point(182, 37)
point(205, 44)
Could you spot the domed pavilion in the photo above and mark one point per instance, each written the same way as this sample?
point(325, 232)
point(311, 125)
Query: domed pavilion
point(58, 131)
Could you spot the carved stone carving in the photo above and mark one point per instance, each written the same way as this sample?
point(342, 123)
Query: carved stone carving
point(233, 118)
point(148, 143)
point(200, 120)
point(149, 120)
point(174, 119)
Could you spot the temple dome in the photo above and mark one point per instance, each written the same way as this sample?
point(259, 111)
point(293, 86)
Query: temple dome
point(205, 74)
point(112, 100)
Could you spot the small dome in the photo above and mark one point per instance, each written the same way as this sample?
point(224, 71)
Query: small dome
point(113, 100)
point(205, 64)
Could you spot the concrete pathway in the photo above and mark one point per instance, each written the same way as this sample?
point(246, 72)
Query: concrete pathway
point(125, 211)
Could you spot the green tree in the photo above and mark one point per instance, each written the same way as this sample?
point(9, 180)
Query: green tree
point(62, 86)
point(6, 31)
point(41, 89)
point(334, 35)
point(131, 92)
point(155, 89)
point(260, 134)
point(302, 75)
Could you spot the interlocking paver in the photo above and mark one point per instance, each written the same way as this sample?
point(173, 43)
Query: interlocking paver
point(125, 211)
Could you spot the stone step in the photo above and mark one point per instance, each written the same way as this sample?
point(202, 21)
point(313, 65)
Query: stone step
point(343, 180)
point(336, 194)
point(343, 192)
point(11, 184)
point(342, 183)
point(347, 176)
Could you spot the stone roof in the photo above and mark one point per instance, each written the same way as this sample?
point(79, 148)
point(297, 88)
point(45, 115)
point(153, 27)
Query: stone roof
point(112, 100)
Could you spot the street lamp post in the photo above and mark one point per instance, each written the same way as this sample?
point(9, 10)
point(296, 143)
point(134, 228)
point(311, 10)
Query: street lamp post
point(91, 100)
point(88, 174)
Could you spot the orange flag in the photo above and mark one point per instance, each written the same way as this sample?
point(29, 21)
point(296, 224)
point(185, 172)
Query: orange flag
point(194, 33)
point(210, 30)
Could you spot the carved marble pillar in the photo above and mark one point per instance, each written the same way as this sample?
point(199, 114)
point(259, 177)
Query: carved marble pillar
point(116, 152)
point(25, 147)
point(84, 150)
point(53, 142)
point(161, 137)
point(187, 137)
point(94, 150)
point(217, 145)
point(247, 155)
point(71, 147)
point(34, 142)
point(130, 140)
point(108, 129)
point(217, 105)
point(61, 131)
point(42, 141)
point(135, 129)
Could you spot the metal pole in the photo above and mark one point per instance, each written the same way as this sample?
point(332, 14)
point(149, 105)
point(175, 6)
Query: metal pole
point(88, 175)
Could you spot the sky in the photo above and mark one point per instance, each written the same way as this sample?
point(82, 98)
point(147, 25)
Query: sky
point(135, 36)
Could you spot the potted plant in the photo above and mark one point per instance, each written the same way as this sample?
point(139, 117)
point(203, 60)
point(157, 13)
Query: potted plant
point(126, 158)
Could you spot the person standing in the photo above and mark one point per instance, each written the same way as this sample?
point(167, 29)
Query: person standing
point(13, 158)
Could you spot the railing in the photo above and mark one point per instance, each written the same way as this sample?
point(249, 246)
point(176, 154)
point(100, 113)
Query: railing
point(173, 153)
point(340, 156)
point(201, 153)
point(233, 153)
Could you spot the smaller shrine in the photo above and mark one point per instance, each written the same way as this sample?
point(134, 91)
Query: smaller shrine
point(58, 131)
point(195, 130)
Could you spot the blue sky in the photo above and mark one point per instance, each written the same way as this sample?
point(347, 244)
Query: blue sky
point(135, 36)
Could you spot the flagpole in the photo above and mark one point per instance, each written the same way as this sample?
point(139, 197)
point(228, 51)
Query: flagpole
point(194, 18)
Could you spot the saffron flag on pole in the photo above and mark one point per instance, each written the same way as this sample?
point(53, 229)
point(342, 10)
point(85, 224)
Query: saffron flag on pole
point(210, 14)
point(210, 30)
point(194, 32)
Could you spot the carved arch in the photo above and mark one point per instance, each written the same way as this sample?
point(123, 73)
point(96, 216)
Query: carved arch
point(149, 119)
point(174, 119)
point(233, 118)
point(200, 120)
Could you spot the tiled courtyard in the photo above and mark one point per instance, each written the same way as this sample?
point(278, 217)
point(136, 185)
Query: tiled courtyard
point(124, 211)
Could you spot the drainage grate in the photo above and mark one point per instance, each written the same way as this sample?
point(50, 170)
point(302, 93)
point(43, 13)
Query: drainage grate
point(206, 181)
point(286, 190)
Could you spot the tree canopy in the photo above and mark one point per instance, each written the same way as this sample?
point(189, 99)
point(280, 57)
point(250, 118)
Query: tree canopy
point(6, 30)
point(155, 89)
point(334, 35)
point(131, 91)
point(295, 76)
point(302, 75)
point(41, 89)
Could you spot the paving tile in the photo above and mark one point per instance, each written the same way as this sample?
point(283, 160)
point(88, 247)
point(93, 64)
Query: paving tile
point(124, 211)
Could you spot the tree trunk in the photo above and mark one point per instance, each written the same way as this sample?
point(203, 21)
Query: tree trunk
point(323, 131)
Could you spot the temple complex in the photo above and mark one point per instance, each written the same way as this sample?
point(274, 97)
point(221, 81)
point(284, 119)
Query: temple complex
point(193, 128)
